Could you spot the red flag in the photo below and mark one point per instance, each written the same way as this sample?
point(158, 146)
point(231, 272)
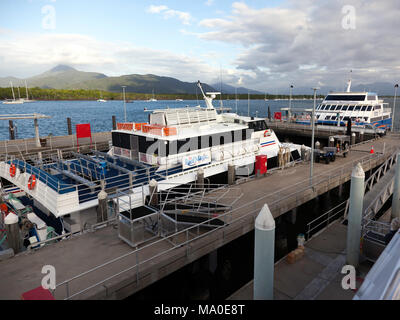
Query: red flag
point(278, 115)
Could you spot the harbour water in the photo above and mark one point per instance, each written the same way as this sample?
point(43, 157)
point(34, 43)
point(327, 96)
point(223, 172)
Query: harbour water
point(99, 114)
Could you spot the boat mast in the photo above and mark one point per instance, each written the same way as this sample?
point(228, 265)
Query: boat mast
point(12, 89)
point(236, 100)
point(26, 88)
point(349, 83)
point(248, 103)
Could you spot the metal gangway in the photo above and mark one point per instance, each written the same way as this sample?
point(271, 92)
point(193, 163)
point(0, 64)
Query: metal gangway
point(378, 188)
point(167, 212)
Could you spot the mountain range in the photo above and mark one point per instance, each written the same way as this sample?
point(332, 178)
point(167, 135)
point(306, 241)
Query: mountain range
point(66, 77)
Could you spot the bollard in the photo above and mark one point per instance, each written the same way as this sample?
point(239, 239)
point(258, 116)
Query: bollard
point(69, 126)
point(13, 232)
point(331, 142)
point(353, 138)
point(153, 193)
point(102, 214)
point(303, 152)
point(355, 215)
point(317, 145)
point(200, 178)
point(264, 252)
point(231, 174)
point(396, 191)
point(114, 123)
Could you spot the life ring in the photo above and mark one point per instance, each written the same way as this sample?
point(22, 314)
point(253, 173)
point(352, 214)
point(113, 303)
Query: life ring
point(32, 182)
point(13, 170)
point(266, 133)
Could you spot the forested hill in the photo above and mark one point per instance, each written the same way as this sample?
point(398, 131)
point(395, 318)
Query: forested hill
point(66, 77)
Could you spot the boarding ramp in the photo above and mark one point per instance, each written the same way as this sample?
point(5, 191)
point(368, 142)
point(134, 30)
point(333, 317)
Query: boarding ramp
point(176, 210)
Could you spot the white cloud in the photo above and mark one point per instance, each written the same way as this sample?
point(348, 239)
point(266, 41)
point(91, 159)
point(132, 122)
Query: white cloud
point(25, 55)
point(156, 9)
point(167, 13)
point(304, 41)
point(209, 2)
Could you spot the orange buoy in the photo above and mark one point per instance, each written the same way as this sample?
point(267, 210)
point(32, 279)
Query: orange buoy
point(32, 182)
point(13, 170)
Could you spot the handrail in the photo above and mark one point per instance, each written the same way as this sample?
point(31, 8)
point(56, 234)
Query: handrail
point(250, 208)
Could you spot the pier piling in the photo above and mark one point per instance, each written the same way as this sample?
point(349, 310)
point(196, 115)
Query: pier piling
point(396, 191)
point(355, 215)
point(200, 178)
point(331, 142)
point(11, 129)
point(231, 174)
point(353, 138)
point(264, 252)
point(102, 207)
point(114, 123)
point(13, 232)
point(69, 126)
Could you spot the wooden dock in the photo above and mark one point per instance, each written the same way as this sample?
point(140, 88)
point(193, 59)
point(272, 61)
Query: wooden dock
point(97, 265)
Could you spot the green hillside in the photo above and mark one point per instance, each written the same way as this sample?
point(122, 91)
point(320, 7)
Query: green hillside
point(65, 77)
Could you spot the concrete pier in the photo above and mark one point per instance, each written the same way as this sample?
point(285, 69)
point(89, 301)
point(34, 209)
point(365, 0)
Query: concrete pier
point(283, 190)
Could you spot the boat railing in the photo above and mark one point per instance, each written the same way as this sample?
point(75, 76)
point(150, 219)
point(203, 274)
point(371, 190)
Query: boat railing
point(185, 239)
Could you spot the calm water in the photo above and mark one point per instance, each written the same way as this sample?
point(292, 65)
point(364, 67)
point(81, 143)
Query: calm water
point(99, 114)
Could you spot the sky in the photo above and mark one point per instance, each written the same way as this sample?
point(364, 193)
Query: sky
point(264, 45)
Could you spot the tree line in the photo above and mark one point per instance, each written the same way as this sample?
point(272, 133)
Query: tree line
point(81, 94)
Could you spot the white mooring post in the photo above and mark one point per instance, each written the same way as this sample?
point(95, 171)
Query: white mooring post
point(396, 191)
point(355, 215)
point(264, 253)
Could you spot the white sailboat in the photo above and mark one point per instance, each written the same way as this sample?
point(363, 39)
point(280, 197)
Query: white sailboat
point(13, 101)
point(27, 95)
point(153, 99)
point(101, 98)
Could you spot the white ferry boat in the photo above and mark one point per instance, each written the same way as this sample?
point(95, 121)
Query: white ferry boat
point(363, 109)
point(190, 137)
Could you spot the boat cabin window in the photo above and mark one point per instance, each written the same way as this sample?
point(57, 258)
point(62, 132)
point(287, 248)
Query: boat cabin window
point(328, 118)
point(333, 118)
point(346, 118)
point(351, 108)
point(366, 118)
point(363, 108)
point(345, 98)
point(338, 107)
point(357, 108)
point(332, 107)
point(353, 118)
point(369, 108)
point(345, 108)
point(258, 125)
